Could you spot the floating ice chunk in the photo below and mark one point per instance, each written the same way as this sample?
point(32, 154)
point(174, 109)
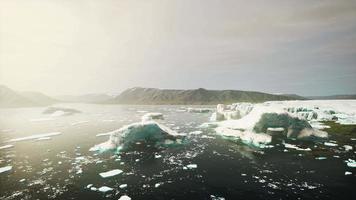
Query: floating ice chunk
point(147, 131)
point(32, 137)
point(292, 146)
point(200, 110)
point(105, 189)
point(348, 173)
point(58, 111)
point(93, 189)
point(41, 119)
point(111, 173)
point(330, 144)
point(158, 184)
point(192, 166)
point(78, 123)
point(123, 186)
point(89, 186)
point(43, 138)
point(213, 197)
point(5, 169)
point(247, 137)
point(22, 180)
point(6, 146)
point(158, 156)
point(152, 116)
point(124, 197)
point(351, 163)
point(196, 132)
point(348, 147)
point(277, 129)
point(320, 158)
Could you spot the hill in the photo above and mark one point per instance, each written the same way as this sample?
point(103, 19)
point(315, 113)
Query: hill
point(199, 96)
point(11, 98)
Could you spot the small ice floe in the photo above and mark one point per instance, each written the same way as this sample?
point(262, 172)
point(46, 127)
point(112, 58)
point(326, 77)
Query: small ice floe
point(105, 189)
point(292, 146)
point(33, 137)
point(157, 156)
point(89, 186)
point(213, 197)
point(191, 166)
point(93, 189)
point(22, 180)
point(123, 186)
point(320, 158)
point(348, 173)
point(41, 119)
point(5, 169)
point(43, 138)
point(278, 129)
point(124, 197)
point(78, 123)
point(351, 163)
point(200, 110)
point(110, 173)
point(158, 184)
point(6, 146)
point(152, 116)
point(196, 133)
point(59, 111)
point(348, 147)
point(247, 137)
point(330, 144)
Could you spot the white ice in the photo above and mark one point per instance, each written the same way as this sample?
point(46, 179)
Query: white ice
point(104, 189)
point(5, 169)
point(110, 173)
point(152, 116)
point(124, 197)
point(247, 137)
point(6, 146)
point(330, 144)
point(33, 137)
point(292, 146)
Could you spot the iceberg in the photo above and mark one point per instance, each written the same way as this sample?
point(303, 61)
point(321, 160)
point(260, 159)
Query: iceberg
point(192, 166)
point(292, 146)
point(123, 186)
point(230, 112)
point(152, 116)
point(145, 131)
point(5, 169)
point(33, 137)
point(110, 173)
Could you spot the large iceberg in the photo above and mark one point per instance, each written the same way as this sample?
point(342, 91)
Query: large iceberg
point(145, 131)
point(247, 137)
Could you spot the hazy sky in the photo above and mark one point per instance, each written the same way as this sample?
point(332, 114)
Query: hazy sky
point(73, 46)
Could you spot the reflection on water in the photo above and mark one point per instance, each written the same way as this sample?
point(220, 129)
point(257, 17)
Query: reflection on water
point(50, 159)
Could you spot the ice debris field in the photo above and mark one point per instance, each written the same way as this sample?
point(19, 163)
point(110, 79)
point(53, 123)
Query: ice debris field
point(277, 149)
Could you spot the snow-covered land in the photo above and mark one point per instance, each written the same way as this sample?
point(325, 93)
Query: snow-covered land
point(300, 119)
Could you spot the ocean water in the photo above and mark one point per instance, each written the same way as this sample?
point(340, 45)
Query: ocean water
point(60, 165)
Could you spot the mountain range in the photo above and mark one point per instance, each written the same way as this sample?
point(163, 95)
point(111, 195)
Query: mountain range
point(151, 96)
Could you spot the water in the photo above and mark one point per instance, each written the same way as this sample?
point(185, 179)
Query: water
point(61, 167)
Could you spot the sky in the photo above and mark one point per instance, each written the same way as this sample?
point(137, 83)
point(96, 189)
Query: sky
point(106, 46)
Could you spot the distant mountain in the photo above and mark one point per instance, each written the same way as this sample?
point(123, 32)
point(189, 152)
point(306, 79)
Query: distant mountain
point(345, 96)
point(295, 96)
point(199, 96)
point(11, 98)
point(87, 98)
